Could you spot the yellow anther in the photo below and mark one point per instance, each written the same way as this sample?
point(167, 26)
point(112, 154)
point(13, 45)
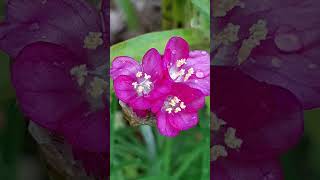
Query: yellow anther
point(182, 105)
point(172, 102)
point(221, 7)
point(177, 110)
point(188, 75)
point(176, 99)
point(169, 110)
point(216, 122)
point(97, 87)
point(135, 84)
point(148, 84)
point(231, 140)
point(181, 62)
point(181, 72)
point(217, 151)
point(93, 40)
point(139, 74)
point(79, 72)
point(146, 76)
point(228, 35)
point(140, 89)
point(258, 32)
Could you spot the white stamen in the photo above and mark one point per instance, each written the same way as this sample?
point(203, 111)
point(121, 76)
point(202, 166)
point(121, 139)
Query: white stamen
point(174, 103)
point(231, 140)
point(188, 75)
point(181, 62)
point(146, 76)
point(169, 110)
point(142, 86)
point(135, 84)
point(79, 72)
point(139, 74)
point(97, 87)
point(182, 106)
point(93, 40)
point(217, 151)
point(176, 99)
point(221, 7)
point(140, 89)
point(216, 122)
point(258, 32)
point(177, 110)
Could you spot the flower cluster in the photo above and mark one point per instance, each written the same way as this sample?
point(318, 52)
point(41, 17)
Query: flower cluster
point(171, 86)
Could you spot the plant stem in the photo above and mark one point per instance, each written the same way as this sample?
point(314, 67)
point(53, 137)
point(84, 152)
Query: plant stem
point(150, 141)
point(167, 156)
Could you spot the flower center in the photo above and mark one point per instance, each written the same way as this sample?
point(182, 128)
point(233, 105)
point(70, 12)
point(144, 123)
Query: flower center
point(143, 85)
point(178, 73)
point(226, 138)
point(173, 104)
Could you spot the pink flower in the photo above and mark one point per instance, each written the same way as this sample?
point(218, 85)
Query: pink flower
point(134, 83)
point(178, 109)
point(172, 87)
point(188, 67)
point(253, 124)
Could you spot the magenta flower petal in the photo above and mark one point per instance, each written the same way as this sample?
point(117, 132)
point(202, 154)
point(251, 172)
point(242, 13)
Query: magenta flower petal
point(152, 64)
point(288, 56)
point(183, 121)
point(254, 170)
point(164, 126)
point(260, 114)
point(40, 75)
point(202, 84)
point(123, 88)
point(124, 65)
point(96, 164)
point(192, 97)
point(139, 103)
point(176, 48)
point(178, 108)
point(38, 21)
point(86, 130)
point(200, 62)
point(182, 66)
point(297, 72)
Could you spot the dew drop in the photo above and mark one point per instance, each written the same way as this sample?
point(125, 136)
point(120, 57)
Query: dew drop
point(288, 42)
point(199, 74)
point(312, 66)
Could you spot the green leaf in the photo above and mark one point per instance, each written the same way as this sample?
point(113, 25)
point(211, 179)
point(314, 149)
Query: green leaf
point(136, 47)
point(11, 138)
point(203, 6)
